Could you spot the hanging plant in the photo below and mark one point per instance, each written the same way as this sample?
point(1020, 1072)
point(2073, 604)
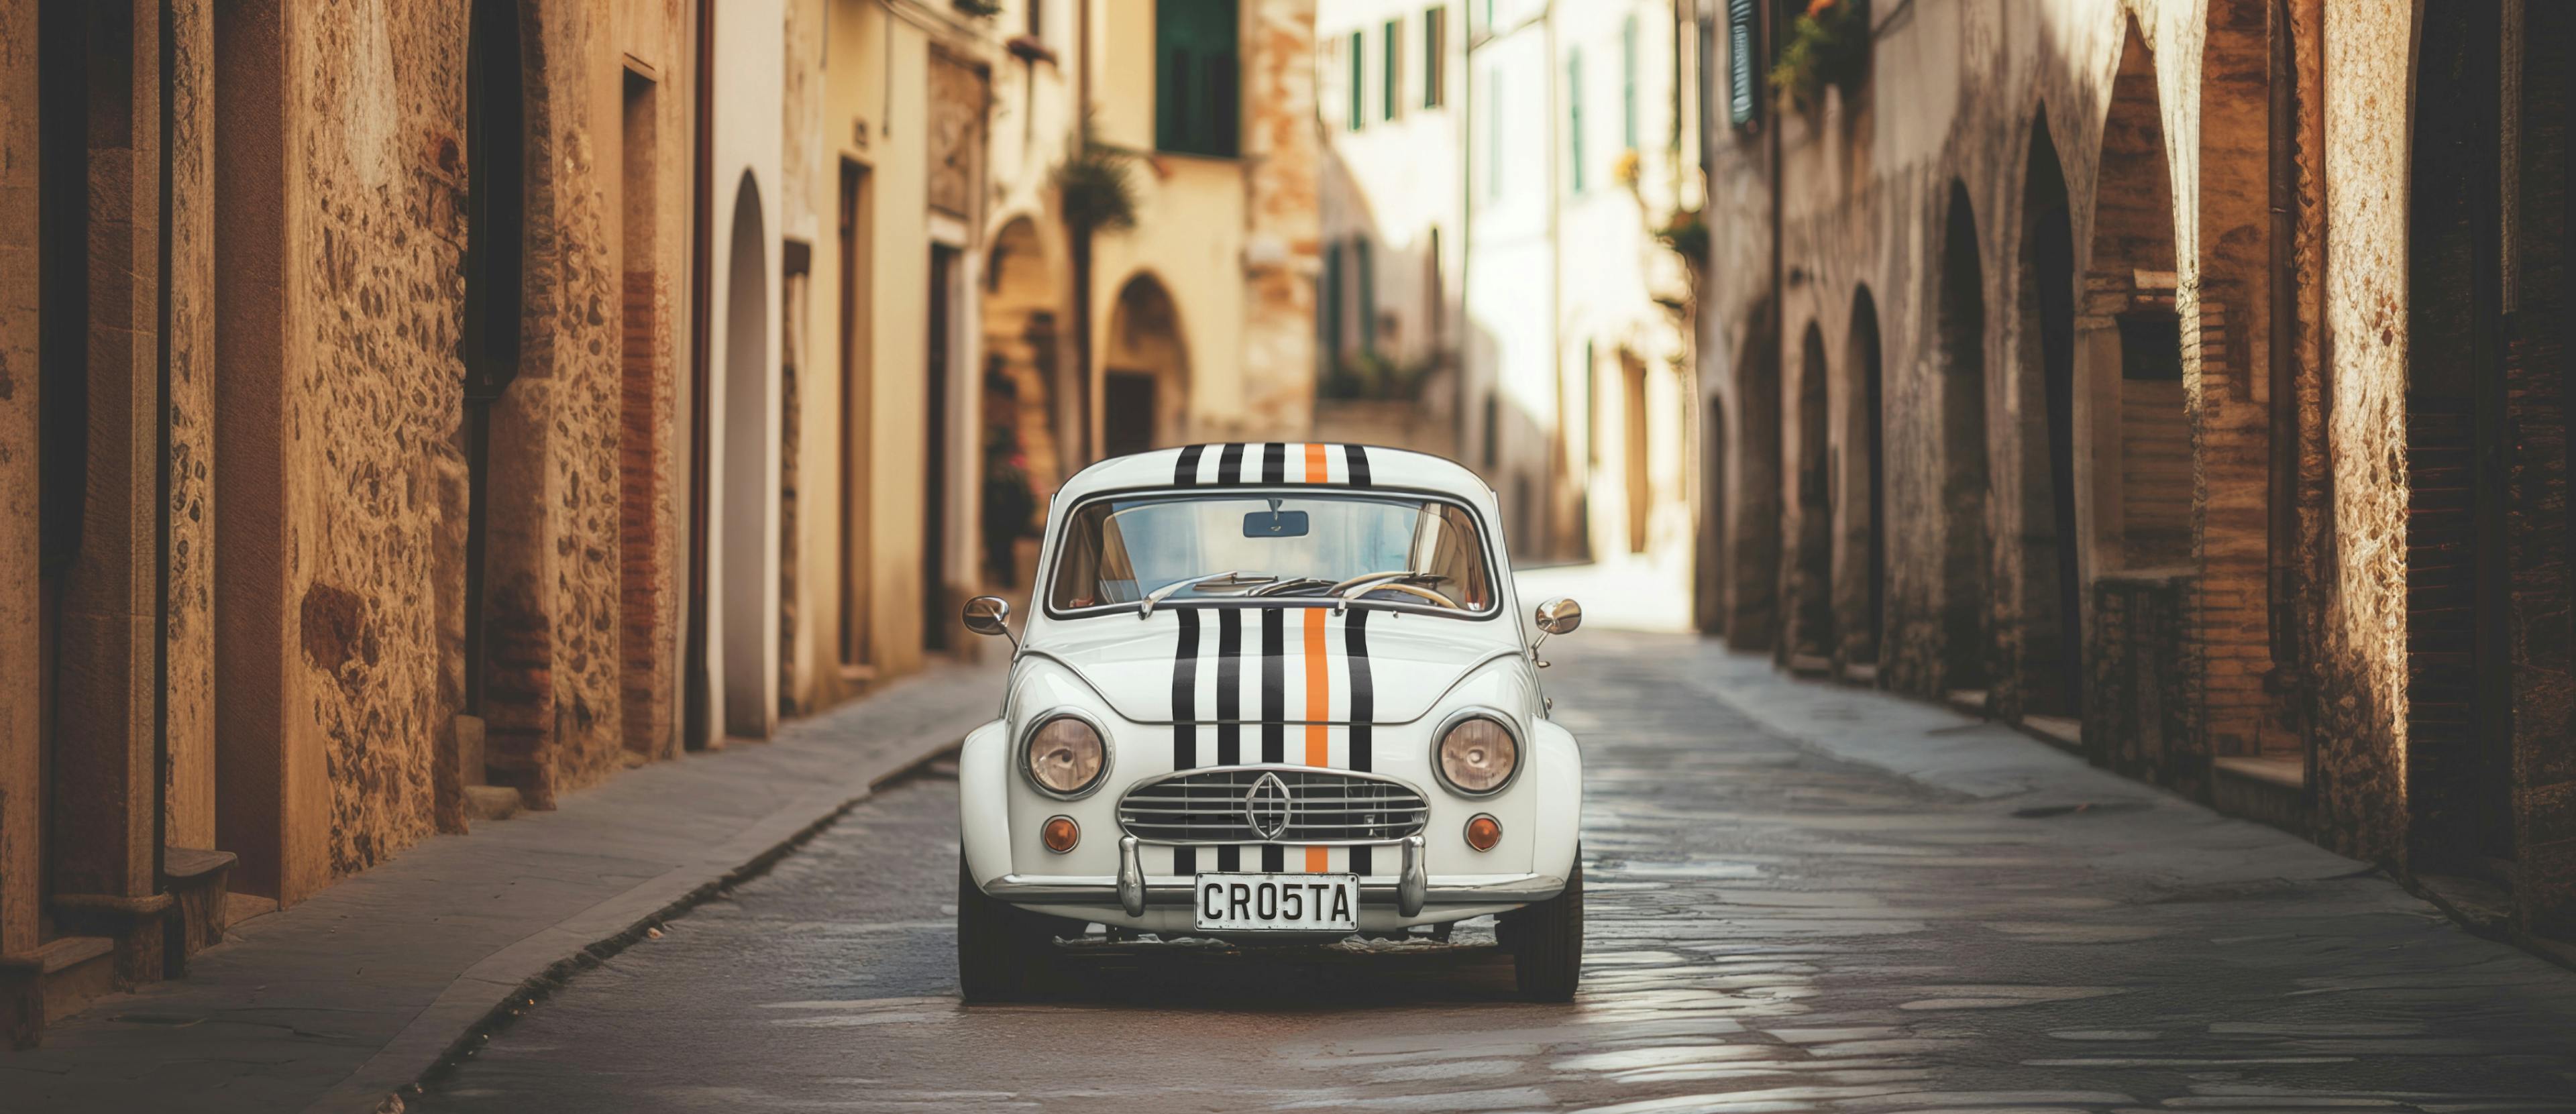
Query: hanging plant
point(1685, 235)
point(1096, 185)
point(1827, 46)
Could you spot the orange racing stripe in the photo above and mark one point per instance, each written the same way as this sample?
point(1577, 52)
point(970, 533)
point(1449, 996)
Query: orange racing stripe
point(1319, 702)
point(1314, 463)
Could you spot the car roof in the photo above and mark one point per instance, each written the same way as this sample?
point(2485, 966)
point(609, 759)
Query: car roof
point(1277, 463)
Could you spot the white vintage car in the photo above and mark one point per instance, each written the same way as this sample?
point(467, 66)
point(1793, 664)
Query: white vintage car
point(1271, 692)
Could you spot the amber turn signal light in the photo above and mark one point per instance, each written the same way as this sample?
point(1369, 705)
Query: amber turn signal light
point(1061, 834)
point(1484, 832)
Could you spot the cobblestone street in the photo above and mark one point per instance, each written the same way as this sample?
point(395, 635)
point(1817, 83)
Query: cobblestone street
point(1802, 897)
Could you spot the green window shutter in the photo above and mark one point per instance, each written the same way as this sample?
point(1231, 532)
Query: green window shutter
point(1197, 84)
point(1394, 79)
point(1366, 295)
point(1742, 105)
point(1435, 55)
point(1359, 80)
point(1574, 116)
point(1628, 83)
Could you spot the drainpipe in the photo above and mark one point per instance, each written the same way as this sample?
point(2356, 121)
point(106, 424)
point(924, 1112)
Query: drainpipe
point(701, 247)
point(161, 481)
point(1081, 246)
point(2281, 380)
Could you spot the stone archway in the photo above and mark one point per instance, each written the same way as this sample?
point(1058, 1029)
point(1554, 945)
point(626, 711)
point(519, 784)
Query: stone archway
point(747, 535)
point(1959, 352)
point(1808, 589)
point(1860, 496)
point(1145, 374)
point(2048, 658)
point(1025, 419)
point(2129, 338)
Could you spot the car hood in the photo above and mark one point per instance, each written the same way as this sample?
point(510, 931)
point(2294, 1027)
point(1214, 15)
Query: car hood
point(1172, 666)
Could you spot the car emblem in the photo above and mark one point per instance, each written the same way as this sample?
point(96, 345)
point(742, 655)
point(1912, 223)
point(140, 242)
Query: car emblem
point(1267, 807)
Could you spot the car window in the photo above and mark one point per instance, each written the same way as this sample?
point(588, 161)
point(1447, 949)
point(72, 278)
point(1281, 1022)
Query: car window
point(1288, 547)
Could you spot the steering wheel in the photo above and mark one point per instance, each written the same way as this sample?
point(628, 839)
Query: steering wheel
point(1375, 577)
point(1418, 590)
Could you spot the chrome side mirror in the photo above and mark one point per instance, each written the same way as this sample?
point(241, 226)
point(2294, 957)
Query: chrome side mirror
point(989, 615)
point(1560, 616)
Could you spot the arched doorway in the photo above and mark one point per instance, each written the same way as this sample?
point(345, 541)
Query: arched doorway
point(1145, 382)
point(2130, 338)
point(1753, 545)
point(747, 549)
point(1860, 547)
point(1809, 590)
point(1714, 560)
point(2050, 658)
point(1960, 351)
point(2460, 674)
point(1024, 419)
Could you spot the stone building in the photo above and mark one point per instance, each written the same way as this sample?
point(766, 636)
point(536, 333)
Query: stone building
point(582, 383)
point(2182, 380)
point(1390, 93)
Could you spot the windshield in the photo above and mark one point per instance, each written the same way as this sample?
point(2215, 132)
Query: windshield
point(1180, 548)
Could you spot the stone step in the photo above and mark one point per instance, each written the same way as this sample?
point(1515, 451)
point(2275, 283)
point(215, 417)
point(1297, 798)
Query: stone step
point(2267, 789)
point(50, 982)
point(492, 802)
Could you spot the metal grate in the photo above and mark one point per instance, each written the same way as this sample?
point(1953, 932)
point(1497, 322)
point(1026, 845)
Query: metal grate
point(1323, 807)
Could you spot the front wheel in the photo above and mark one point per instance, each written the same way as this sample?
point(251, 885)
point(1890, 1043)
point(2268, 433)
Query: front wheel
point(1547, 942)
point(998, 946)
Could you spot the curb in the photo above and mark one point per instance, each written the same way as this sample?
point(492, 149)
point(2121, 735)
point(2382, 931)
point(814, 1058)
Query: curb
point(494, 991)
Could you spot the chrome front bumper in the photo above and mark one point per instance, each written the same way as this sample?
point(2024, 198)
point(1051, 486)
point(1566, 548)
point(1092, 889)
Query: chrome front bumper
point(1410, 892)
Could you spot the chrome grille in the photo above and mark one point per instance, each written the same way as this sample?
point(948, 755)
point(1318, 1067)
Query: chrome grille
point(1324, 806)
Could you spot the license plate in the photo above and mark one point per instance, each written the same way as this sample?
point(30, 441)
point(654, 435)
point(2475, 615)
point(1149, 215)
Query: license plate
point(1283, 902)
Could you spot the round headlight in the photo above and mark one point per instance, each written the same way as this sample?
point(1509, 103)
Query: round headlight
point(1066, 755)
point(1478, 755)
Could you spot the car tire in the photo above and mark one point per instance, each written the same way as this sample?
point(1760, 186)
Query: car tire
point(1547, 942)
point(998, 946)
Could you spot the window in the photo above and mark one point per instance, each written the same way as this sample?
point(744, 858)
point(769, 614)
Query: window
point(1359, 80)
point(1290, 548)
point(1574, 117)
point(1741, 82)
point(1394, 78)
point(1628, 83)
point(1195, 95)
point(1494, 133)
point(1364, 279)
point(1435, 57)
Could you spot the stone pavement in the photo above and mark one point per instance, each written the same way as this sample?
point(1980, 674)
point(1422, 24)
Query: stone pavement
point(1802, 897)
point(334, 1004)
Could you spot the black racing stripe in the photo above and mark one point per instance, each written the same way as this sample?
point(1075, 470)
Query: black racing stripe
point(1274, 463)
point(1185, 709)
point(1185, 692)
point(1186, 473)
point(1229, 464)
point(1274, 858)
point(1363, 703)
point(1274, 666)
point(1229, 687)
point(1357, 456)
point(1229, 858)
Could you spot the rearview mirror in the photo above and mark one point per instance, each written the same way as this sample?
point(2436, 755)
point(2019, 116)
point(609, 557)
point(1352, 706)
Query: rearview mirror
point(988, 615)
point(1559, 616)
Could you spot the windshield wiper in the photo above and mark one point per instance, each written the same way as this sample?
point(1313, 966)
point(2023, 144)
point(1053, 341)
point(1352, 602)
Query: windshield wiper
point(1229, 579)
